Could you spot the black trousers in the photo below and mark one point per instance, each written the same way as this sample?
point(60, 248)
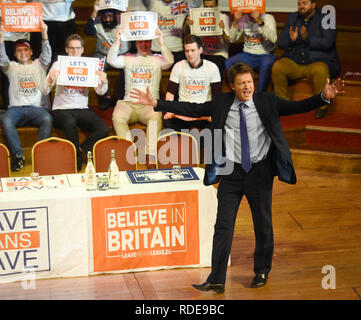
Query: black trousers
point(86, 119)
point(257, 186)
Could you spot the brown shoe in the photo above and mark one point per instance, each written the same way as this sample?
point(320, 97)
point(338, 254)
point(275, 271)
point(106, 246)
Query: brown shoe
point(320, 113)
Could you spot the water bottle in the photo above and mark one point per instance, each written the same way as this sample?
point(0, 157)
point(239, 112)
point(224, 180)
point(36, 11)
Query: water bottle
point(113, 172)
point(90, 176)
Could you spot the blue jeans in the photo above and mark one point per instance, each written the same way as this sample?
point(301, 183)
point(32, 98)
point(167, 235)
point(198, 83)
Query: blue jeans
point(262, 63)
point(16, 117)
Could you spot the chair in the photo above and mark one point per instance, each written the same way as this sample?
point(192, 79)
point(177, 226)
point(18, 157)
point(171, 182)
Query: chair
point(125, 154)
point(177, 148)
point(53, 156)
point(4, 161)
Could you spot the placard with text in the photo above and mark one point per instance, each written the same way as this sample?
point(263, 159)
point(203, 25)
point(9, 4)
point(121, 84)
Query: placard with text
point(78, 71)
point(139, 25)
point(145, 230)
point(120, 5)
point(21, 17)
point(205, 22)
point(247, 6)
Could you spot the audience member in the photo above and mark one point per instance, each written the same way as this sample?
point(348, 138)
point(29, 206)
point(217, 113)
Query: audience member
point(26, 106)
point(215, 48)
point(170, 22)
point(104, 28)
point(310, 52)
point(141, 70)
point(9, 40)
point(260, 35)
point(60, 18)
point(70, 106)
point(193, 80)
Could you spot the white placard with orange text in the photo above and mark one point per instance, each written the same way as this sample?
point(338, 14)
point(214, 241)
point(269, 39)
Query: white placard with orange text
point(78, 71)
point(205, 22)
point(145, 231)
point(247, 5)
point(120, 5)
point(21, 17)
point(139, 25)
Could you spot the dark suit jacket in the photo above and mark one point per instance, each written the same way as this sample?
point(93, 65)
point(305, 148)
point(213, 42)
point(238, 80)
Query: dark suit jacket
point(269, 107)
point(320, 44)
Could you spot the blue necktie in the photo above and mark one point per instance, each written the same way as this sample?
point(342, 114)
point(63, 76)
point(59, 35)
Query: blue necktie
point(246, 157)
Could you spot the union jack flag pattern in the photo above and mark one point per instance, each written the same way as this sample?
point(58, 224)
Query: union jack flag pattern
point(180, 7)
point(101, 64)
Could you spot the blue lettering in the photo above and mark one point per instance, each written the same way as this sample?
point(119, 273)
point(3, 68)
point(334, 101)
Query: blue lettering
point(25, 219)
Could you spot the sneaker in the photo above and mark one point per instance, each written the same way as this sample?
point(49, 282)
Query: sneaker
point(18, 163)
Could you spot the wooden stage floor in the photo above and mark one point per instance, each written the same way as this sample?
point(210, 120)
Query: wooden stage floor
point(317, 223)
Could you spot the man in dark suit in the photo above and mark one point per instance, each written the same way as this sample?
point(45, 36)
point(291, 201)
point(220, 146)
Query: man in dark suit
point(257, 149)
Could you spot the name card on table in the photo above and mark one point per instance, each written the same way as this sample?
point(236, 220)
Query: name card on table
point(161, 175)
point(27, 184)
point(120, 5)
point(247, 6)
point(21, 17)
point(139, 25)
point(205, 22)
point(78, 71)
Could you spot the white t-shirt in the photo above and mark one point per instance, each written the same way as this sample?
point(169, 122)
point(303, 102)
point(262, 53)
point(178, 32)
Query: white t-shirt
point(194, 84)
point(26, 79)
point(257, 40)
point(58, 11)
point(141, 72)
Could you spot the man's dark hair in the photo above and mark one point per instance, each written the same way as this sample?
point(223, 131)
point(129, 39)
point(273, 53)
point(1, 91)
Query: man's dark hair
point(239, 68)
point(191, 39)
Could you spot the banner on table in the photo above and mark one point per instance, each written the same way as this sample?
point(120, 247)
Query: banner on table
point(145, 231)
point(120, 5)
point(21, 17)
point(78, 71)
point(205, 22)
point(31, 244)
point(247, 5)
point(139, 25)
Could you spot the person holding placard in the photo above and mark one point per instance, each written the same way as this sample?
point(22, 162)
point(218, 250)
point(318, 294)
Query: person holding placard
point(9, 40)
point(27, 105)
point(171, 17)
point(70, 106)
point(215, 47)
point(141, 70)
point(310, 52)
point(59, 15)
point(104, 28)
point(260, 35)
point(193, 80)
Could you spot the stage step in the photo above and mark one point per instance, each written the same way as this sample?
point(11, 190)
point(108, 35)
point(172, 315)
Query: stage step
point(324, 148)
point(326, 159)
